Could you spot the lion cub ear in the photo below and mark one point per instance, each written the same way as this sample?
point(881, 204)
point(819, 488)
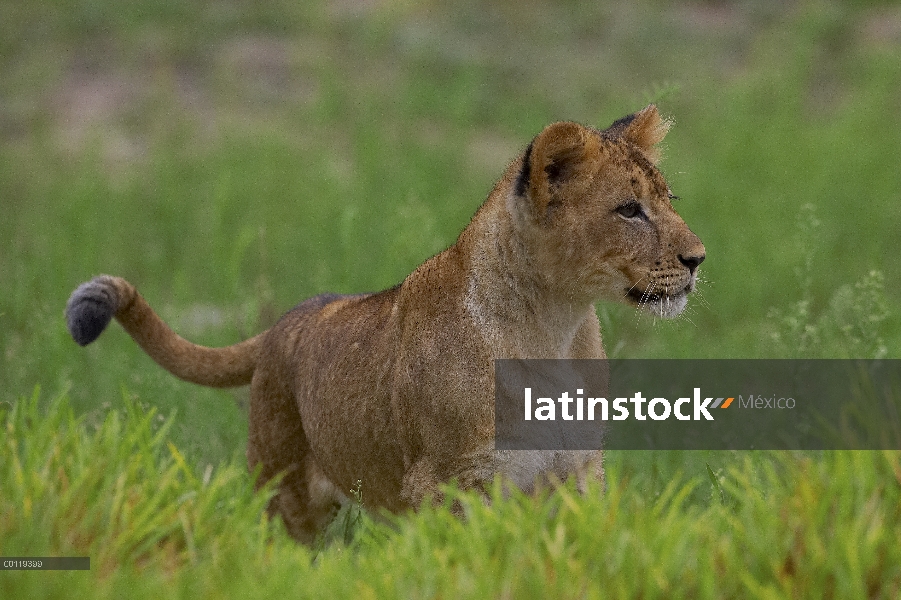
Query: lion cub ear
point(554, 162)
point(645, 129)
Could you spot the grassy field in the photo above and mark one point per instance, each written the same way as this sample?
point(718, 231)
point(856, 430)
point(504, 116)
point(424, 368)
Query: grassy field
point(231, 159)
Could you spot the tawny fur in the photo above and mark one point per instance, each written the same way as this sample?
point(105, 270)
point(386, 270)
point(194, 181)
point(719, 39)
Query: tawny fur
point(396, 388)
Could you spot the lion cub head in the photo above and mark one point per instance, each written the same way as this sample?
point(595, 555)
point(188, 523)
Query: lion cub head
point(602, 215)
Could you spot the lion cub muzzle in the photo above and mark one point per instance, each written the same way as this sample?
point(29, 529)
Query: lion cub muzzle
point(664, 291)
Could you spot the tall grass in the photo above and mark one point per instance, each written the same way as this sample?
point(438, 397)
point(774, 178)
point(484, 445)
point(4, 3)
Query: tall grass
point(117, 491)
point(770, 525)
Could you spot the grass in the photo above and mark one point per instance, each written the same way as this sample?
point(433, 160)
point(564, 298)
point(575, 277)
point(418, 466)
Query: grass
point(772, 525)
point(232, 160)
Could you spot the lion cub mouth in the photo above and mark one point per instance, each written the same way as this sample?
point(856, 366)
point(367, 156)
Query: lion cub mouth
point(662, 304)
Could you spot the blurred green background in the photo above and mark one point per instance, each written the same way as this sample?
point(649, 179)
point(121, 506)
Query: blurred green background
point(232, 158)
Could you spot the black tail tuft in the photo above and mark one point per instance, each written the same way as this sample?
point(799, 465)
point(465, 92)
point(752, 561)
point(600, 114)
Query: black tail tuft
point(90, 309)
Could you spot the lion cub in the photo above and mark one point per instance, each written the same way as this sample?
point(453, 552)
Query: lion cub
point(396, 388)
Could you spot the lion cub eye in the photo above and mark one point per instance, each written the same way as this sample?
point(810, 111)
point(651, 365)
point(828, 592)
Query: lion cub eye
point(631, 210)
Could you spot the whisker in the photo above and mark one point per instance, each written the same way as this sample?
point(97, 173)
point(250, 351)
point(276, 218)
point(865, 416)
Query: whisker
point(643, 300)
point(685, 317)
point(635, 284)
point(700, 283)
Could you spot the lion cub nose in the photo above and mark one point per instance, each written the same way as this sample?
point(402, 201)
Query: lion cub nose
point(692, 262)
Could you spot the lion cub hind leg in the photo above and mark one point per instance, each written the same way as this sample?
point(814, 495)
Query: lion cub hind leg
point(305, 499)
point(526, 470)
point(424, 478)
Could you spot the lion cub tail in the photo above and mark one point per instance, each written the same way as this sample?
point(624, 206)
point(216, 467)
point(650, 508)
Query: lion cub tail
point(93, 304)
